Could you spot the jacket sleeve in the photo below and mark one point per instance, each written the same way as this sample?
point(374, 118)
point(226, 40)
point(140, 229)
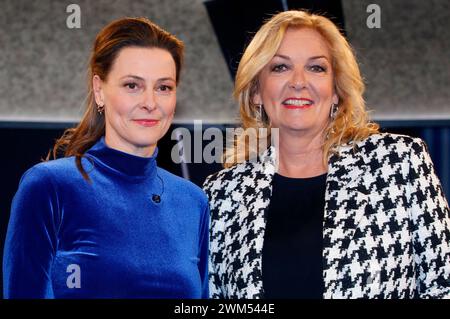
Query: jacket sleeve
point(215, 252)
point(431, 226)
point(204, 252)
point(30, 243)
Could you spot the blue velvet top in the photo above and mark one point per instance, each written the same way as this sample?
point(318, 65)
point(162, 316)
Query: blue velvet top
point(68, 238)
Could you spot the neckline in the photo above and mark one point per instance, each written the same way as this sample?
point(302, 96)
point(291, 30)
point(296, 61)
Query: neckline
point(121, 163)
point(301, 179)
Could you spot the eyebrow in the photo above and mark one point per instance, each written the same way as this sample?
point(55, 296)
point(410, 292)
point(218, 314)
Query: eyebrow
point(132, 76)
point(142, 79)
point(311, 58)
point(318, 57)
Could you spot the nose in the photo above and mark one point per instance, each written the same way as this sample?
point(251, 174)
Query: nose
point(149, 100)
point(298, 80)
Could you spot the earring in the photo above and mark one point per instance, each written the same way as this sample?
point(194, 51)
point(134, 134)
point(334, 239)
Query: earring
point(333, 111)
point(260, 114)
point(100, 109)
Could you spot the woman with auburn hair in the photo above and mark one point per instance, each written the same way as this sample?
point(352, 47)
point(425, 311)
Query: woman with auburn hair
point(105, 221)
point(333, 208)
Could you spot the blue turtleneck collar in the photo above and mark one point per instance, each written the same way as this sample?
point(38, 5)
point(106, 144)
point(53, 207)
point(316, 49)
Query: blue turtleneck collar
point(125, 164)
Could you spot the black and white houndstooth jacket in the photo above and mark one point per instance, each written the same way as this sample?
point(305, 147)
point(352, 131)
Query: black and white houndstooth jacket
point(386, 223)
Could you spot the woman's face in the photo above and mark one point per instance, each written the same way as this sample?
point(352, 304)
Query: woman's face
point(296, 87)
point(139, 95)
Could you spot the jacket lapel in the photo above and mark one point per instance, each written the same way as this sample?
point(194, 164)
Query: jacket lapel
point(345, 202)
point(346, 199)
point(255, 197)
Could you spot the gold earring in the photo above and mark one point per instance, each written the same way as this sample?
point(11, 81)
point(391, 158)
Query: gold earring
point(333, 111)
point(100, 109)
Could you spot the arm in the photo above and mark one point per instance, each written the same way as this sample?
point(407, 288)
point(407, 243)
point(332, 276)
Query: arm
point(204, 251)
point(431, 226)
point(31, 238)
point(215, 283)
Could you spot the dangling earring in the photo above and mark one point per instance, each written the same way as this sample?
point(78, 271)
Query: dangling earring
point(100, 109)
point(260, 114)
point(334, 110)
point(333, 113)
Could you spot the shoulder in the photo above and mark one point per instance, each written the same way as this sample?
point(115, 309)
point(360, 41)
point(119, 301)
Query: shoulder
point(387, 143)
point(50, 169)
point(180, 185)
point(36, 184)
point(391, 140)
point(383, 151)
point(55, 172)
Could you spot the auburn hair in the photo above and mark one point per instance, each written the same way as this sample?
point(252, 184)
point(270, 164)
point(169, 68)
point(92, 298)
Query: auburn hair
point(119, 34)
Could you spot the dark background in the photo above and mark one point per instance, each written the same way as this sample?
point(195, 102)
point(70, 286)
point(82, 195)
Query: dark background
point(24, 147)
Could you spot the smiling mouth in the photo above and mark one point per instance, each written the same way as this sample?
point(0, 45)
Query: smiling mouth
point(294, 103)
point(146, 123)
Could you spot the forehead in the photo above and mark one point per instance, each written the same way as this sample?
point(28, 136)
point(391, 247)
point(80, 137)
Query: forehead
point(303, 40)
point(144, 62)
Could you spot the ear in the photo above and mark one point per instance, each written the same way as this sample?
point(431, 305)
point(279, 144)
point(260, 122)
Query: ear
point(335, 99)
point(97, 87)
point(256, 98)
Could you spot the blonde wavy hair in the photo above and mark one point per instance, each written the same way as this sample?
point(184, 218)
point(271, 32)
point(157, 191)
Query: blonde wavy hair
point(351, 122)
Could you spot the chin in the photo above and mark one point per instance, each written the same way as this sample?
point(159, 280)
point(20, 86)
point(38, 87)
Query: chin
point(145, 141)
point(296, 126)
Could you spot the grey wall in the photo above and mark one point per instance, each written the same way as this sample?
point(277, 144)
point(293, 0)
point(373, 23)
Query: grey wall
point(406, 63)
point(42, 63)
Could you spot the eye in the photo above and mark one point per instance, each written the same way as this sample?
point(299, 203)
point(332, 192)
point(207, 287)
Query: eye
point(317, 68)
point(131, 85)
point(279, 68)
point(165, 88)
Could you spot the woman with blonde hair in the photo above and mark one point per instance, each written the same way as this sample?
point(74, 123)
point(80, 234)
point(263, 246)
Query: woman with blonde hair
point(105, 221)
point(331, 208)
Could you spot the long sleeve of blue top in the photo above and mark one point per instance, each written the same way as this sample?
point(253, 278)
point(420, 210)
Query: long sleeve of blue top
point(108, 238)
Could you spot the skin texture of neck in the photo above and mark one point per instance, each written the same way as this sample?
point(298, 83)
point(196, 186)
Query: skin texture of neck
point(301, 156)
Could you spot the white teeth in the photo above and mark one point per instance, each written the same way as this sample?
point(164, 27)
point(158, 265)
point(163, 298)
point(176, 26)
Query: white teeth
point(298, 102)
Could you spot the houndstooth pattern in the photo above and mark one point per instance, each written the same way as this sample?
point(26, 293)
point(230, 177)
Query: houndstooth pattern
point(386, 223)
